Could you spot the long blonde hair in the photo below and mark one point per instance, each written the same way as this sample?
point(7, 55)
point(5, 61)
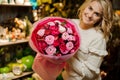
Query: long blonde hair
point(107, 16)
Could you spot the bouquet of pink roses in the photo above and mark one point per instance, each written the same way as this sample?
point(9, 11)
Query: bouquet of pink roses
point(55, 39)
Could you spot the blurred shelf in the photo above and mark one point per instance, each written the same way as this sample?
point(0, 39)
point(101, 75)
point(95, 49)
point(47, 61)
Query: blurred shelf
point(22, 5)
point(11, 76)
point(22, 75)
point(11, 43)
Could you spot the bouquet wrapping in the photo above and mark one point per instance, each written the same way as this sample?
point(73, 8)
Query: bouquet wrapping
point(55, 40)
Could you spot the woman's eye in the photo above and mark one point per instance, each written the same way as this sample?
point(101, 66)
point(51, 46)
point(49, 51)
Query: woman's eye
point(97, 14)
point(90, 8)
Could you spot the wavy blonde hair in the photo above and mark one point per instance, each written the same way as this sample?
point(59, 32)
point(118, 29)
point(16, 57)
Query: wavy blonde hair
point(106, 21)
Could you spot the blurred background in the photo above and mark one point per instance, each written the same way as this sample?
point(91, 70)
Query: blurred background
point(16, 19)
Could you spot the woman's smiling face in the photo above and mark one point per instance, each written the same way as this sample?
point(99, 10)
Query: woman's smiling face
point(92, 14)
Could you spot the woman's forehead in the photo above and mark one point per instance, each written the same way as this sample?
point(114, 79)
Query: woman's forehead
point(96, 6)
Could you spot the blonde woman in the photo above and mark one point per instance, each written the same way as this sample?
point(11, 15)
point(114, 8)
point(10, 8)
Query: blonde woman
point(94, 24)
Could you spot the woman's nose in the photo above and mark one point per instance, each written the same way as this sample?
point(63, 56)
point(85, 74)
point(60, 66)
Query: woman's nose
point(90, 14)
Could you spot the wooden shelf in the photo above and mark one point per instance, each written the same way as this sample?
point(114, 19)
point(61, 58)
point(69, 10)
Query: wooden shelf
point(11, 43)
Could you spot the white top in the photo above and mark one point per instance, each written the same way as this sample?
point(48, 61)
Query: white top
point(85, 65)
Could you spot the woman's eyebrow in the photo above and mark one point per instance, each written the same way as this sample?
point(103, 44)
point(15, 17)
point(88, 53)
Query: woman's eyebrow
point(100, 13)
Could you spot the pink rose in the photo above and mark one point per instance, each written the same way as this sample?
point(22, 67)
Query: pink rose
point(69, 30)
point(61, 29)
point(64, 52)
point(71, 38)
point(51, 23)
point(69, 45)
point(50, 50)
point(41, 32)
point(65, 36)
point(72, 51)
point(49, 39)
